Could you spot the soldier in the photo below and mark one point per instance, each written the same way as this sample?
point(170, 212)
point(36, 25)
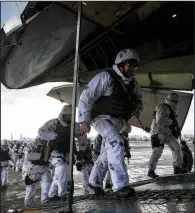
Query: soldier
point(11, 162)
point(96, 147)
point(20, 160)
point(5, 157)
point(36, 169)
point(85, 166)
point(165, 130)
point(107, 103)
point(187, 157)
point(58, 152)
point(15, 155)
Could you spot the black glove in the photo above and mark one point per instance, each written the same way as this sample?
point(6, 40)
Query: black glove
point(79, 165)
point(28, 181)
point(127, 154)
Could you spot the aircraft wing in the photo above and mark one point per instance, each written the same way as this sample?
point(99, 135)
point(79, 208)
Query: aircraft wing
point(150, 98)
point(42, 49)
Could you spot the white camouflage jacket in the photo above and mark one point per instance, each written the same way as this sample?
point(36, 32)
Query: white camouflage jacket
point(100, 85)
point(161, 122)
point(33, 170)
point(51, 125)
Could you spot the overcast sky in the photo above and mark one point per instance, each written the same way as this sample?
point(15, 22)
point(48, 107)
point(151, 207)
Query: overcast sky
point(10, 14)
point(24, 111)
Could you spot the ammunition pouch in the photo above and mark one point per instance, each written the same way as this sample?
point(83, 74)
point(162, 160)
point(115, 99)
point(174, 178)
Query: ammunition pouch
point(176, 134)
point(88, 154)
point(155, 142)
point(29, 181)
point(174, 127)
point(80, 155)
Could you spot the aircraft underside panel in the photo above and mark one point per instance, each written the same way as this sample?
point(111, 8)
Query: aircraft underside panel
point(150, 98)
point(42, 50)
point(47, 39)
point(172, 73)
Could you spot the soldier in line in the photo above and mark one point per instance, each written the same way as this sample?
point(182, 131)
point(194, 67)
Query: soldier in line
point(36, 169)
point(58, 149)
point(186, 156)
point(96, 147)
point(165, 130)
point(107, 103)
point(5, 157)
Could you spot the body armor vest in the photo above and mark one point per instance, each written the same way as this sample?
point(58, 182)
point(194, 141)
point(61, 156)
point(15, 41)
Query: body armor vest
point(174, 127)
point(120, 104)
point(62, 141)
point(4, 155)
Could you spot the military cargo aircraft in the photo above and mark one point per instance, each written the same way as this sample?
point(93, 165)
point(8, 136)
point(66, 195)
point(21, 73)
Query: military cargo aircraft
point(42, 50)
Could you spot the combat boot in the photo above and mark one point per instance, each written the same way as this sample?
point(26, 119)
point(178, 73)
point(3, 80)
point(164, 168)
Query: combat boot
point(64, 198)
point(125, 192)
point(4, 187)
point(108, 186)
point(54, 198)
point(152, 174)
point(178, 170)
point(97, 190)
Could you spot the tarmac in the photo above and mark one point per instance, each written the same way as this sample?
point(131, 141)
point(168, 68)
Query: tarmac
point(167, 195)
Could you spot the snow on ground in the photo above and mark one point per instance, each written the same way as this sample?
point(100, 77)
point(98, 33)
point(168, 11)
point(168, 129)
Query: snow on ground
point(137, 170)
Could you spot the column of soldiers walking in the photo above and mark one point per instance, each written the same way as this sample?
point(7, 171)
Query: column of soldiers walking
point(111, 98)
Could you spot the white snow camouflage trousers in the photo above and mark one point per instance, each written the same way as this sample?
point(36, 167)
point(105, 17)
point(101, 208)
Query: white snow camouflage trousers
point(3, 175)
point(15, 160)
point(86, 171)
point(107, 177)
point(44, 178)
point(111, 155)
point(19, 163)
point(60, 180)
point(173, 145)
